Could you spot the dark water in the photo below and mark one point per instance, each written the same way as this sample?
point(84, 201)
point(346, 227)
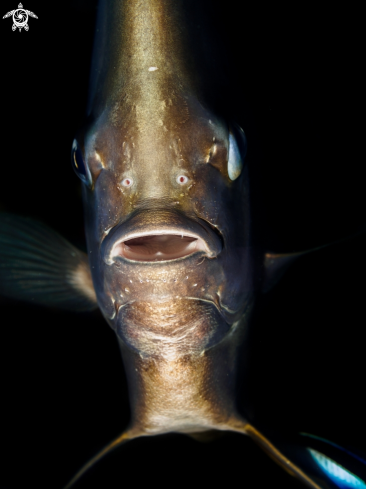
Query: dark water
point(296, 88)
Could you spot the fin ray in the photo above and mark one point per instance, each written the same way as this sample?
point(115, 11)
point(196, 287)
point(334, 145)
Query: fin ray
point(276, 264)
point(40, 266)
point(120, 440)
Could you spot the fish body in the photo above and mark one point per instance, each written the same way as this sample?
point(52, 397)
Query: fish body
point(156, 150)
point(168, 229)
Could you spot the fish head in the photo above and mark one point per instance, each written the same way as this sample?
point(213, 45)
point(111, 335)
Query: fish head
point(167, 222)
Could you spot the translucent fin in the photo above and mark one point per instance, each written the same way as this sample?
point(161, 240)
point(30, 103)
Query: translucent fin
point(126, 436)
point(276, 264)
point(40, 266)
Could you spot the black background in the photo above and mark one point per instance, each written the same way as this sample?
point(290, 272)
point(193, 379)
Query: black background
point(296, 87)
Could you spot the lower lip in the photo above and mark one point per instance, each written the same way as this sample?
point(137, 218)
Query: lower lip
point(160, 247)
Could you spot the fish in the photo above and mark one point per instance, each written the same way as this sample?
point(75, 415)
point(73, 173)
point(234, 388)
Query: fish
point(132, 245)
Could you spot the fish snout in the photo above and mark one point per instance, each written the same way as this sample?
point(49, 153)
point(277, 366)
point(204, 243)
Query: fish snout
point(153, 236)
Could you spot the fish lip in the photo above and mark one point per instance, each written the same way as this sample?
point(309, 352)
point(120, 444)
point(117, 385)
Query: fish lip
point(156, 232)
point(209, 242)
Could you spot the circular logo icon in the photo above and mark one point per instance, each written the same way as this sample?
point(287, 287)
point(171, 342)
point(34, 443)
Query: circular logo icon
point(20, 17)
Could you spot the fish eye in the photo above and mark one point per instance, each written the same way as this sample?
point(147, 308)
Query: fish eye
point(237, 151)
point(127, 182)
point(182, 179)
point(79, 165)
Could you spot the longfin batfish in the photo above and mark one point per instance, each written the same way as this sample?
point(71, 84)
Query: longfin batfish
point(171, 261)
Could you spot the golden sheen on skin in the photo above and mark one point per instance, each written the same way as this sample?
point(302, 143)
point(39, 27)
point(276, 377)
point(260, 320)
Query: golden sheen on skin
point(167, 215)
point(168, 312)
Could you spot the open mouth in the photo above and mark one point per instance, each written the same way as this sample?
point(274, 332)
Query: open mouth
point(158, 247)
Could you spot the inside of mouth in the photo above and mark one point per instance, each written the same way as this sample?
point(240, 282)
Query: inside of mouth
point(159, 247)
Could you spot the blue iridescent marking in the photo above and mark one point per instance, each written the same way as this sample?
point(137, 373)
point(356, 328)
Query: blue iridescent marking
point(341, 477)
point(357, 457)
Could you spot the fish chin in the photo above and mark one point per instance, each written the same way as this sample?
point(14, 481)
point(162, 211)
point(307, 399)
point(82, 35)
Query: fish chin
point(170, 328)
point(162, 283)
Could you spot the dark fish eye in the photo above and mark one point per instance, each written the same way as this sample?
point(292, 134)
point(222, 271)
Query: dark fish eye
point(79, 165)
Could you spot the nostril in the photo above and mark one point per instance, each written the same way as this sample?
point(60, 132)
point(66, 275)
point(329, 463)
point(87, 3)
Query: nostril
point(158, 247)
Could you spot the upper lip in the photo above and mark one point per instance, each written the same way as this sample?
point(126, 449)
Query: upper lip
point(159, 236)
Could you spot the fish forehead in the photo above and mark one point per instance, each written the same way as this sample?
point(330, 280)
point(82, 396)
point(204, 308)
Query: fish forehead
point(181, 136)
point(148, 51)
point(146, 95)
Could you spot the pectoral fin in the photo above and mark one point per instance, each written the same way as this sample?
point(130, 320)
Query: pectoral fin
point(40, 266)
point(276, 264)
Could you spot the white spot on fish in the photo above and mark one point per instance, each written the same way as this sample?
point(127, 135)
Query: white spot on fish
point(153, 68)
point(98, 158)
point(181, 179)
point(127, 182)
